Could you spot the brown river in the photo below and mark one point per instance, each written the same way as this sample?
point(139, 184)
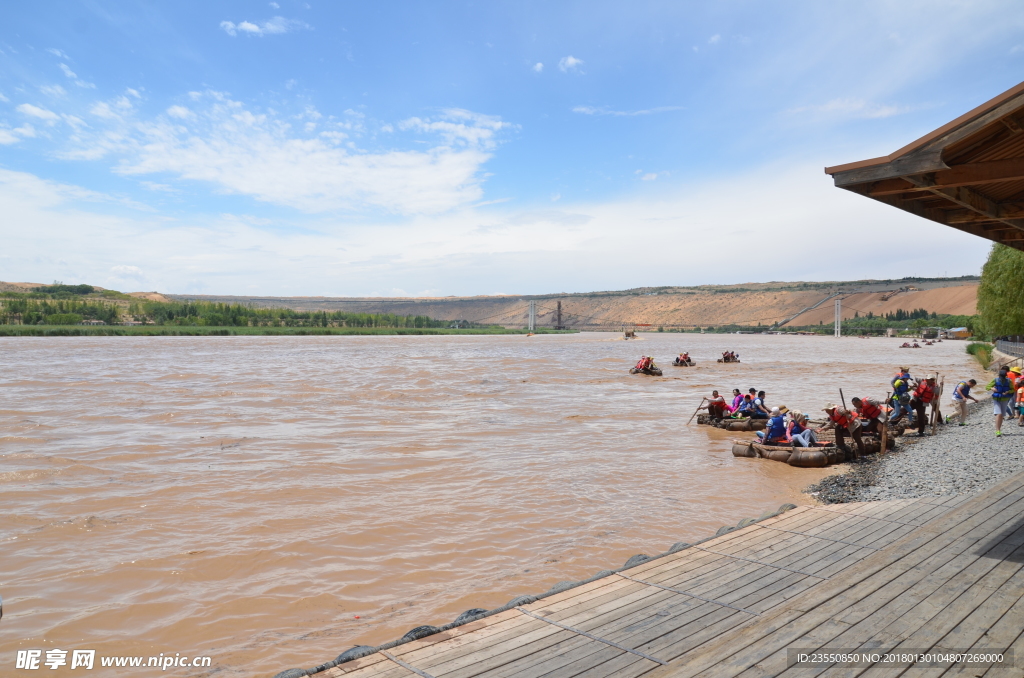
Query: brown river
point(271, 501)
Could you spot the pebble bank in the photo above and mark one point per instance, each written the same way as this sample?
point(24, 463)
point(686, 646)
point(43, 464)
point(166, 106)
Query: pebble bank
point(957, 460)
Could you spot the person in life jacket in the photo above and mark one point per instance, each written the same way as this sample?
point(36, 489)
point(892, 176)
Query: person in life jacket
point(746, 407)
point(775, 432)
point(737, 398)
point(901, 384)
point(760, 408)
point(961, 394)
point(1020, 402)
point(1002, 394)
point(871, 411)
point(645, 363)
point(845, 423)
point(716, 407)
point(798, 432)
point(924, 395)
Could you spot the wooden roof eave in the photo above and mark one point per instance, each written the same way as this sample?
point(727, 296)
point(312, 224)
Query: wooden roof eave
point(918, 180)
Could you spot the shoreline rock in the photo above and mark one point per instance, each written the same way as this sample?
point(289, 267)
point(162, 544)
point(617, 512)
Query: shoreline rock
point(956, 460)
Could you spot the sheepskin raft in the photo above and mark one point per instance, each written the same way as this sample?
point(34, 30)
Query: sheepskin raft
point(733, 424)
point(806, 457)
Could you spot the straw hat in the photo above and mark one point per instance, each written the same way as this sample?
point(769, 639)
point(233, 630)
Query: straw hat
point(783, 409)
point(828, 407)
point(933, 376)
point(1015, 369)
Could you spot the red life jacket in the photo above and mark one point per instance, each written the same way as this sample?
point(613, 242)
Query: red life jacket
point(924, 392)
point(869, 410)
point(645, 363)
point(843, 420)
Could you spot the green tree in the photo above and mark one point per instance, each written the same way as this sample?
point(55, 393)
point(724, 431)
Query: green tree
point(1001, 292)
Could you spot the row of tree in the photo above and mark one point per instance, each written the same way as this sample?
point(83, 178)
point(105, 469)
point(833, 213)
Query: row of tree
point(30, 309)
point(1001, 293)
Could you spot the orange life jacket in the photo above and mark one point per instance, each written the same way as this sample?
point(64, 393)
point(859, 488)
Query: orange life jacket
point(869, 410)
point(925, 392)
point(843, 420)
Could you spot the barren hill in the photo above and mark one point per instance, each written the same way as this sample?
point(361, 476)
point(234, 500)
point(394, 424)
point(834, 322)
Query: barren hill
point(747, 304)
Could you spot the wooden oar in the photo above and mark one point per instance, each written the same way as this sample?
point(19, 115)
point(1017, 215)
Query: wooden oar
point(696, 410)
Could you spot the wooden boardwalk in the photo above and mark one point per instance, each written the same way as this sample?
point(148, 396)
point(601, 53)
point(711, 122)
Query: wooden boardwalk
point(913, 574)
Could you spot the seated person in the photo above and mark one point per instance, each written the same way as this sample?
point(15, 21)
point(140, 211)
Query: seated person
point(798, 432)
point(775, 432)
point(760, 409)
point(745, 408)
point(716, 407)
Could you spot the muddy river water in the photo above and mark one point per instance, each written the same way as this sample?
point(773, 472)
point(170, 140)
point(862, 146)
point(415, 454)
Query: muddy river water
point(271, 501)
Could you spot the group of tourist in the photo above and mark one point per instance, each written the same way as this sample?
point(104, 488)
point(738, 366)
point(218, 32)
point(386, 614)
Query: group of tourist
point(750, 404)
point(910, 398)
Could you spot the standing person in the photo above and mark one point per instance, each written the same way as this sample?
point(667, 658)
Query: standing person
point(901, 384)
point(1020, 402)
point(871, 411)
point(798, 432)
point(845, 423)
point(716, 406)
point(961, 394)
point(924, 395)
point(1002, 393)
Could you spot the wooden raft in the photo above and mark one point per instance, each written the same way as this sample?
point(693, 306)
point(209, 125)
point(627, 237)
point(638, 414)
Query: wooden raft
point(670, 613)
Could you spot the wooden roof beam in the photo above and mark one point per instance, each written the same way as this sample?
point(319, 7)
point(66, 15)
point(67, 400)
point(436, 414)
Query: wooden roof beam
point(1011, 169)
point(1007, 210)
point(972, 200)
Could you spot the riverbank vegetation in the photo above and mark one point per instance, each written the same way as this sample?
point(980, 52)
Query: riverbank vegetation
point(982, 352)
point(1001, 292)
point(62, 309)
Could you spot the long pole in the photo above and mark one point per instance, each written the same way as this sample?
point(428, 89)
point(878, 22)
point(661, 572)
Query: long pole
point(839, 317)
point(696, 410)
point(533, 315)
point(885, 426)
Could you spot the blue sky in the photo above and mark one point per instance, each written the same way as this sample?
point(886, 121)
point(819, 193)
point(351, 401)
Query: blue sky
point(476, 148)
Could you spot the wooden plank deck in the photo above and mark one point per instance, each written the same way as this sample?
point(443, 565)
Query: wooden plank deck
point(910, 574)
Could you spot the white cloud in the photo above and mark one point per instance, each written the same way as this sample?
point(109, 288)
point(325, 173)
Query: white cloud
point(273, 26)
point(57, 52)
point(74, 76)
point(460, 127)
point(154, 186)
point(36, 112)
point(274, 5)
point(604, 110)
point(538, 67)
point(126, 271)
point(53, 90)
point(650, 176)
point(569, 63)
point(132, 92)
point(714, 39)
point(259, 154)
point(854, 108)
point(57, 230)
point(7, 137)
point(3, 98)
point(74, 121)
point(179, 112)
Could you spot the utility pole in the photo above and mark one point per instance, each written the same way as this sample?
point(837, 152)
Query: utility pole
point(533, 315)
point(558, 317)
point(839, 317)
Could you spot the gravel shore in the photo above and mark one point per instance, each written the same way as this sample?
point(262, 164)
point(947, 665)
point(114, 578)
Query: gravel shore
point(957, 460)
